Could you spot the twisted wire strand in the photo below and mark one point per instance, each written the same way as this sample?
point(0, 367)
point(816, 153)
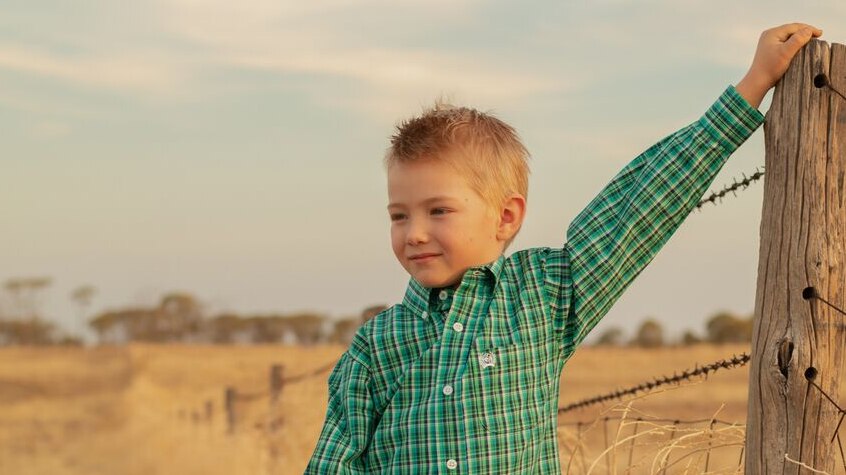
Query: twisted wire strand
point(245, 396)
point(686, 375)
point(310, 374)
point(736, 185)
point(655, 420)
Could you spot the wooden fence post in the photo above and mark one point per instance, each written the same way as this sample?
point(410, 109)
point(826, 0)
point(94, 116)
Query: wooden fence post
point(803, 244)
point(276, 382)
point(229, 398)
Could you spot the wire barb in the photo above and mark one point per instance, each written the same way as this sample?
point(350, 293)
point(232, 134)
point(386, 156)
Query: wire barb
point(736, 185)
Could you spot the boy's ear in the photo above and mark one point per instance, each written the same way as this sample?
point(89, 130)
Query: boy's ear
point(511, 216)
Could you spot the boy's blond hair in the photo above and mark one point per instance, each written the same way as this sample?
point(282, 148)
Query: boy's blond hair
point(485, 150)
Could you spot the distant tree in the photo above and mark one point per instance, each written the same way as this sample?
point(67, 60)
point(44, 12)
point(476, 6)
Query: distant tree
point(122, 326)
point(343, 330)
point(83, 296)
point(69, 341)
point(103, 325)
point(690, 338)
point(226, 328)
point(14, 287)
point(27, 332)
point(178, 318)
point(270, 329)
point(611, 337)
point(649, 335)
point(307, 327)
point(725, 327)
point(24, 295)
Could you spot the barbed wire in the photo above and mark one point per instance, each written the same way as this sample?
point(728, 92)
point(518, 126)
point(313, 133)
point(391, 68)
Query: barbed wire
point(686, 375)
point(244, 396)
point(655, 420)
point(310, 374)
point(736, 185)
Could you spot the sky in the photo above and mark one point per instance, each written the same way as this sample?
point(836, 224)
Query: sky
point(232, 150)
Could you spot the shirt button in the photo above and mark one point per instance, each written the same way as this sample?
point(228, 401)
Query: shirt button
point(424, 314)
point(457, 326)
point(452, 464)
point(442, 295)
point(448, 390)
point(477, 272)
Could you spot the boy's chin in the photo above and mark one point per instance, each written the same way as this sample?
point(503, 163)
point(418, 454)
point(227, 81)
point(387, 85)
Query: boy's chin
point(435, 282)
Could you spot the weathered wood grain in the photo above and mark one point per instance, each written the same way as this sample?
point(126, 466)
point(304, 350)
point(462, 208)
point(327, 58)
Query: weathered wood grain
point(803, 243)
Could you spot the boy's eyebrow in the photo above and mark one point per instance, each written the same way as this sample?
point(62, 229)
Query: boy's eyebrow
point(425, 202)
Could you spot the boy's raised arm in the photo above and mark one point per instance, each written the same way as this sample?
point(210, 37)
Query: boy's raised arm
point(622, 229)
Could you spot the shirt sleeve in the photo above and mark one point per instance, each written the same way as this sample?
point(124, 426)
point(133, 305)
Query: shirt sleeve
point(622, 229)
point(348, 427)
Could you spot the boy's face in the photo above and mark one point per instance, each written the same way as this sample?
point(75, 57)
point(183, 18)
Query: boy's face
point(440, 226)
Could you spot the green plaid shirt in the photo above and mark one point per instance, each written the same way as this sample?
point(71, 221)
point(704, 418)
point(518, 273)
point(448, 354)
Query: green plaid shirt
point(466, 381)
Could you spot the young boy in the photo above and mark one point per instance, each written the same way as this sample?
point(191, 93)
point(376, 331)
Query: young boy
point(463, 375)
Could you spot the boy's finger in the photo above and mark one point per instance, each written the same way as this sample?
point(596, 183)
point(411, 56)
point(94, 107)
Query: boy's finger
point(798, 40)
point(784, 32)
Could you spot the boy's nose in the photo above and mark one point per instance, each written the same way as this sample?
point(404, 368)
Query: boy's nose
point(416, 234)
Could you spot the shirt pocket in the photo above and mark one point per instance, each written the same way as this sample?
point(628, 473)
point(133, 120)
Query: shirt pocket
point(507, 387)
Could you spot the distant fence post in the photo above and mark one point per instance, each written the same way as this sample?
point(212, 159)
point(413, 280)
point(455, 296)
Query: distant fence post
point(229, 397)
point(803, 245)
point(276, 382)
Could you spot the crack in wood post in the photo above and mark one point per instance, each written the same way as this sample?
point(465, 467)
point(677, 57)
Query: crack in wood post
point(785, 353)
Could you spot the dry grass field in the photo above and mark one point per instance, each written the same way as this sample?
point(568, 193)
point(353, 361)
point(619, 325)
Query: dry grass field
point(143, 410)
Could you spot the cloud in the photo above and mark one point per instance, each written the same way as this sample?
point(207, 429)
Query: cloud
point(316, 39)
point(186, 45)
point(132, 73)
point(389, 55)
point(390, 79)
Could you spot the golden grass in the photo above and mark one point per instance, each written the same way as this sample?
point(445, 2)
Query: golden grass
point(141, 409)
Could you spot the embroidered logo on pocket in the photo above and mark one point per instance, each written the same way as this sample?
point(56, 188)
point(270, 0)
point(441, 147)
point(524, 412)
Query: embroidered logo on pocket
point(487, 360)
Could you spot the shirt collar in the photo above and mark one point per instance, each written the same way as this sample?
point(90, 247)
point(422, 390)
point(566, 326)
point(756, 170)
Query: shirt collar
point(417, 297)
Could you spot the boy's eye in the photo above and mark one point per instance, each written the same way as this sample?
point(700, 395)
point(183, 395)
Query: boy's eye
point(439, 211)
point(397, 216)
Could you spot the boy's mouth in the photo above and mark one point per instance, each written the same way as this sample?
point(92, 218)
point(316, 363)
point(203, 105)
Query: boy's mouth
point(423, 257)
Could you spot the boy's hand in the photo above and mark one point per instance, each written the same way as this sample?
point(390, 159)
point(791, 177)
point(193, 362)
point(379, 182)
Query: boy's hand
point(776, 47)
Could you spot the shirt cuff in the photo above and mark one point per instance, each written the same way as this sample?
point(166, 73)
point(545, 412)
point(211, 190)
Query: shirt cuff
point(731, 120)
